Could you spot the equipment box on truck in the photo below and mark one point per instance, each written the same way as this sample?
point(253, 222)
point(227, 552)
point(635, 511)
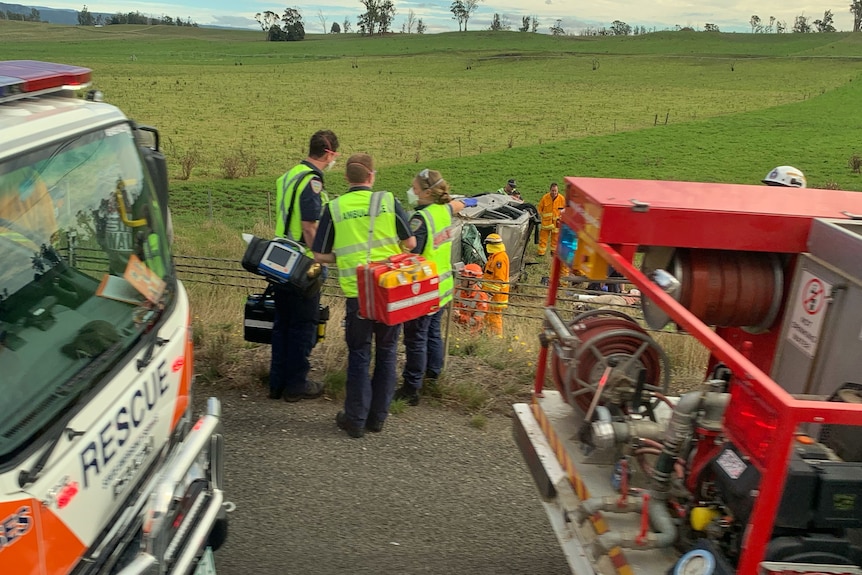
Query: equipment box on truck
point(755, 465)
point(102, 469)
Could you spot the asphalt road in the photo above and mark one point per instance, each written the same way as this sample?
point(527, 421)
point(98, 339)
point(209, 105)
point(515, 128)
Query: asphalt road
point(429, 494)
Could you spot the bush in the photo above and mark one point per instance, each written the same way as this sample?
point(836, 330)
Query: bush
point(239, 164)
point(187, 159)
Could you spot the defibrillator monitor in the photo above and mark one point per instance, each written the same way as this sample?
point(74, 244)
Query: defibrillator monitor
point(280, 260)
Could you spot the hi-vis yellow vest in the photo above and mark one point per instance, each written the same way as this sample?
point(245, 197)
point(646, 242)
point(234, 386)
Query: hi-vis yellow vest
point(365, 231)
point(438, 246)
point(288, 188)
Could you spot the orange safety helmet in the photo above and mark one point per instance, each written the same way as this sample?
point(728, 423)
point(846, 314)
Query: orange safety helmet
point(472, 271)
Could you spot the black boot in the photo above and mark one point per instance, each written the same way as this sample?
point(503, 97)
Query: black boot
point(408, 394)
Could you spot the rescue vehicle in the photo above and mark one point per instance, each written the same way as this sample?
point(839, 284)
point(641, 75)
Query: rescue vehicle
point(102, 467)
point(758, 469)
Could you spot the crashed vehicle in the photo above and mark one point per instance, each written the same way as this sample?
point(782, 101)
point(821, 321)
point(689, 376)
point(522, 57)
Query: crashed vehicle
point(515, 221)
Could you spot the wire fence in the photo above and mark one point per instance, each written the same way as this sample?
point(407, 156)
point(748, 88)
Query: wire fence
point(526, 300)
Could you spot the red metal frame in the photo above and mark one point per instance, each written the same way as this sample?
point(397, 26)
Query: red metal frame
point(617, 216)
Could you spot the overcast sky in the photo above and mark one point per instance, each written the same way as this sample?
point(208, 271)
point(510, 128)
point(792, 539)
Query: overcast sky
point(729, 15)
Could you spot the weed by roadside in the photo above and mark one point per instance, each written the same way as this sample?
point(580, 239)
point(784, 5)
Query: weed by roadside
point(483, 374)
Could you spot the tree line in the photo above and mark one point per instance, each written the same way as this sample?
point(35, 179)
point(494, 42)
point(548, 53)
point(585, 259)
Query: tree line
point(801, 25)
point(87, 18)
point(32, 16)
point(378, 16)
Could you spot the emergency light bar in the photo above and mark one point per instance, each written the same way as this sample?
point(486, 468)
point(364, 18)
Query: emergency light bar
point(27, 78)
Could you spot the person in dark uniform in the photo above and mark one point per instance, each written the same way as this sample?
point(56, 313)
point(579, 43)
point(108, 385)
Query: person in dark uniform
point(300, 197)
point(356, 228)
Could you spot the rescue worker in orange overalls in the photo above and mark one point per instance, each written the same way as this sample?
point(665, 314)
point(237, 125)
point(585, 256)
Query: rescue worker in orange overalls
point(550, 210)
point(497, 271)
point(471, 303)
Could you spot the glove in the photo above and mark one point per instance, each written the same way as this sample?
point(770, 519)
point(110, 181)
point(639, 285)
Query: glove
point(470, 202)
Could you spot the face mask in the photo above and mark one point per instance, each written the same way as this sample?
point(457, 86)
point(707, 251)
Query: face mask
point(412, 198)
point(330, 165)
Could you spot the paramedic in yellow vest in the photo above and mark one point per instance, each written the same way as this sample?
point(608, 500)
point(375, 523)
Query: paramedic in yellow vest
point(299, 201)
point(550, 210)
point(496, 282)
point(431, 224)
point(356, 228)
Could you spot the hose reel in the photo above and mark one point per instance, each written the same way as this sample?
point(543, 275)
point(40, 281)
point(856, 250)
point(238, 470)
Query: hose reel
point(721, 288)
point(602, 338)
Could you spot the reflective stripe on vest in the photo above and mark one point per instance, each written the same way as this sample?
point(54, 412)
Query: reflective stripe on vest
point(354, 226)
point(438, 246)
point(470, 302)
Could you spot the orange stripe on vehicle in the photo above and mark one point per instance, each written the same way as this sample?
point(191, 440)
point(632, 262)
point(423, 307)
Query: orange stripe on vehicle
point(62, 549)
point(36, 541)
point(616, 555)
point(186, 377)
point(20, 553)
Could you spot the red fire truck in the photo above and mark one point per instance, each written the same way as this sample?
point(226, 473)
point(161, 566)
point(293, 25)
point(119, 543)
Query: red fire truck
point(759, 469)
point(102, 467)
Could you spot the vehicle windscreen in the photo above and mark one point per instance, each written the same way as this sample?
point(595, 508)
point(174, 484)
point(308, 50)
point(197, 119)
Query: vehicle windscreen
point(83, 266)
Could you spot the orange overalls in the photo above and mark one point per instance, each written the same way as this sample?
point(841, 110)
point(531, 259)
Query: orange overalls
point(497, 268)
point(550, 209)
point(471, 304)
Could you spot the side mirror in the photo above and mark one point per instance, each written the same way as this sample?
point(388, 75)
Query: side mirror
point(148, 141)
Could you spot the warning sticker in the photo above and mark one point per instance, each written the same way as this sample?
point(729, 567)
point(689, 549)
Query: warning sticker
point(731, 463)
point(808, 311)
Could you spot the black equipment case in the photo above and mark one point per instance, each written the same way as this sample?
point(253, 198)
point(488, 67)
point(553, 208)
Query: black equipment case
point(259, 317)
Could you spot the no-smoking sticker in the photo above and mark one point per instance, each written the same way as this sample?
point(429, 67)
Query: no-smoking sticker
point(809, 308)
point(813, 296)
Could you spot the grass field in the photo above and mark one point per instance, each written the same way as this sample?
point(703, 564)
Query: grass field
point(481, 107)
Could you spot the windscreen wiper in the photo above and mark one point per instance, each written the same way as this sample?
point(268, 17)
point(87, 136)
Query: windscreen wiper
point(90, 372)
point(152, 337)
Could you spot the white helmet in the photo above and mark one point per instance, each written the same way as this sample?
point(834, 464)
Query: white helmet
point(786, 176)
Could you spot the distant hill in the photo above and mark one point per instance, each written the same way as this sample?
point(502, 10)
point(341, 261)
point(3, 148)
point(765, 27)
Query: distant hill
point(49, 15)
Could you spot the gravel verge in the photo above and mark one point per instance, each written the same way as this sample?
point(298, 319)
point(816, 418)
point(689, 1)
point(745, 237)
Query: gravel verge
point(429, 494)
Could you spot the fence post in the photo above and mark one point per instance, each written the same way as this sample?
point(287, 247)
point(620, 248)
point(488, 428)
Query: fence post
point(210, 202)
point(448, 320)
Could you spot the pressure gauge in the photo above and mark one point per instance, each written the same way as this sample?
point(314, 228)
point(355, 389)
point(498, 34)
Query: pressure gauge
point(695, 562)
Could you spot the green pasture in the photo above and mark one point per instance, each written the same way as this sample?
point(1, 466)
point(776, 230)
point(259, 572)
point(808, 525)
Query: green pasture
point(481, 107)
